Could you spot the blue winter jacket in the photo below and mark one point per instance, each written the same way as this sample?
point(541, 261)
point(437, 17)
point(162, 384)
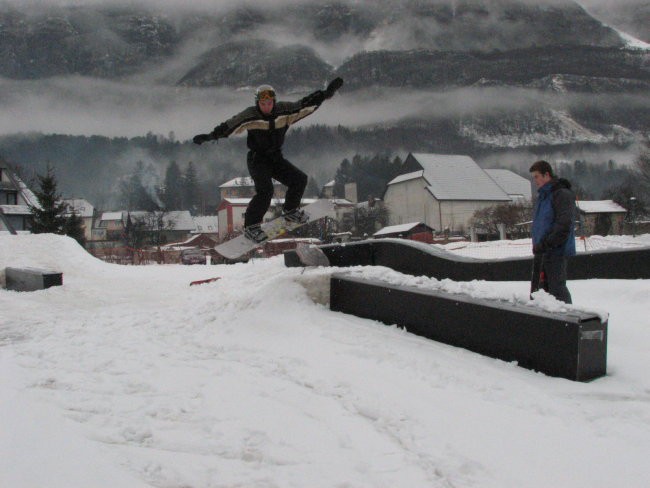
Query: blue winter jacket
point(553, 219)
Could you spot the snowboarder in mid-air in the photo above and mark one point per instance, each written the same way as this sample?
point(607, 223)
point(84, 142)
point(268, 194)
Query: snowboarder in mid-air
point(267, 123)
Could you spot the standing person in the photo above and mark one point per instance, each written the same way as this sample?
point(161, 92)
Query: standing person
point(267, 123)
point(553, 232)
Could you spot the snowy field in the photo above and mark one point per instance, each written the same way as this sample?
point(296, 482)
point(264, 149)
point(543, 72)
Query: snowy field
point(128, 377)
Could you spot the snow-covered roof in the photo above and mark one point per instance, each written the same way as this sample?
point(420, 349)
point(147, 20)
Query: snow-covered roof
point(182, 220)
point(176, 219)
point(342, 202)
point(206, 223)
point(81, 206)
point(238, 201)
point(396, 229)
point(329, 184)
point(242, 181)
point(239, 181)
point(407, 177)
point(27, 194)
point(280, 201)
point(15, 209)
point(600, 206)
point(107, 216)
point(458, 177)
point(511, 183)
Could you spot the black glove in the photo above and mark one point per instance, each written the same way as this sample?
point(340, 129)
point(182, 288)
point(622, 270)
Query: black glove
point(315, 98)
point(201, 138)
point(540, 248)
point(334, 85)
point(220, 131)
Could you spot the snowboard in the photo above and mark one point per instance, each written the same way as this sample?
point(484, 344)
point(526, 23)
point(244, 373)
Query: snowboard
point(240, 245)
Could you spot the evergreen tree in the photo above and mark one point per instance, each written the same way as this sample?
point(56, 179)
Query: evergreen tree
point(49, 218)
point(73, 227)
point(191, 193)
point(642, 166)
point(172, 196)
point(133, 192)
point(312, 190)
point(371, 174)
point(343, 176)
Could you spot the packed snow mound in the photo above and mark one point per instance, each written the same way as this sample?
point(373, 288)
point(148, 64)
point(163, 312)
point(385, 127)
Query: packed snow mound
point(246, 381)
point(49, 251)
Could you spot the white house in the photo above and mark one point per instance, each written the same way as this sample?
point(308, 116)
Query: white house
point(441, 191)
point(328, 189)
point(15, 200)
point(231, 211)
point(244, 187)
point(517, 187)
point(206, 224)
point(84, 209)
point(601, 217)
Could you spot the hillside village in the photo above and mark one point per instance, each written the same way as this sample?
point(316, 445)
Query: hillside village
point(435, 198)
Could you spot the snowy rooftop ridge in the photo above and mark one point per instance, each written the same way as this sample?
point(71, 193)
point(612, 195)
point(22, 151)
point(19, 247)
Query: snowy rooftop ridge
point(392, 229)
point(600, 206)
point(242, 181)
point(513, 184)
point(457, 177)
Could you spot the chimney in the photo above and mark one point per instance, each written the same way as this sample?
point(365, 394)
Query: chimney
point(351, 192)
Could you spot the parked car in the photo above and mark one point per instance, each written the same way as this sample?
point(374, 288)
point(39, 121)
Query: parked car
point(193, 256)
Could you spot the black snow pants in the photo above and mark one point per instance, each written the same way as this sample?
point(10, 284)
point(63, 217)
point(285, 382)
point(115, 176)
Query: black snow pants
point(263, 168)
point(550, 274)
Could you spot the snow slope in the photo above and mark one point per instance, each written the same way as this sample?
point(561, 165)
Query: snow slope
point(126, 376)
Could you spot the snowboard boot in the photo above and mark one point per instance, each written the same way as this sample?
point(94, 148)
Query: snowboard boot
point(255, 233)
point(295, 216)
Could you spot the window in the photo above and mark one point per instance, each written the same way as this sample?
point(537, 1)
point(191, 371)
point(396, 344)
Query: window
point(11, 198)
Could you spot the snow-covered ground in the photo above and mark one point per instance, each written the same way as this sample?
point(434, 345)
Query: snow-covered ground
point(128, 377)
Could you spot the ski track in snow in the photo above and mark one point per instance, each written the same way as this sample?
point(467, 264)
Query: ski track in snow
point(248, 382)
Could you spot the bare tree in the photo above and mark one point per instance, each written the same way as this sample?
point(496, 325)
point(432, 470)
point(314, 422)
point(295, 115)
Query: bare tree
point(509, 214)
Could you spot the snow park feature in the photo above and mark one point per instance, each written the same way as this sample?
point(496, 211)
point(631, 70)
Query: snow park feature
point(31, 279)
point(240, 245)
point(125, 376)
point(416, 258)
point(569, 344)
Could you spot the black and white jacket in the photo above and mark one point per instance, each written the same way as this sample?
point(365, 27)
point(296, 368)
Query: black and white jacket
point(266, 132)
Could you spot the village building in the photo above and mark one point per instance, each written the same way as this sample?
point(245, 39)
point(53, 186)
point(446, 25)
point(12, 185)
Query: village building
point(206, 224)
point(441, 191)
point(109, 226)
point(231, 211)
point(244, 187)
point(416, 231)
point(84, 209)
point(15, 201)
point(518, 188)
point(328, 189)
point(173, 226)
point(601, 217)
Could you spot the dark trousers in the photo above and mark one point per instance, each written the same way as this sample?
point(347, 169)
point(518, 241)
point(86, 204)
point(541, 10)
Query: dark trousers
point(263, 168)
point(549, 273)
